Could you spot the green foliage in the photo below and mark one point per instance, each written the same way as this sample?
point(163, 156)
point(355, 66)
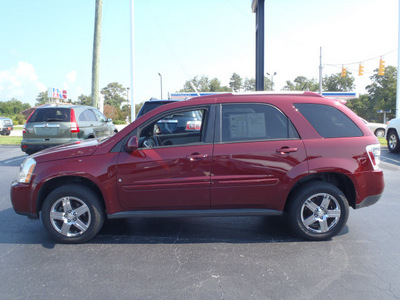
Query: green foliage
point(42, 98)
point(249, 85)
point(84, 100)
point(119, 122)
point(236, 82)
point(203, 84)
point(12, 108)
point(302, 83)
point(381, 96)
point(114, 94)
point(336, 83)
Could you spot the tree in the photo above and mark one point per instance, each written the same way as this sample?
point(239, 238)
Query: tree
point(114, 94)
point(249, 84)
point(302, 83)
point(203, 84)
point(268, 85)
point(42, 98)
point(84, 100)
point(336, 83)
point(236, 82)
point(381, 96)
point(383, 89)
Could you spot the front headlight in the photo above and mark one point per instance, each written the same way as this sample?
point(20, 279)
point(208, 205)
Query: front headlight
point(25, 174)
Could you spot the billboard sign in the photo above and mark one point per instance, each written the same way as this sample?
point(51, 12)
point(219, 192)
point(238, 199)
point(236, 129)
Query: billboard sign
point(57, 94)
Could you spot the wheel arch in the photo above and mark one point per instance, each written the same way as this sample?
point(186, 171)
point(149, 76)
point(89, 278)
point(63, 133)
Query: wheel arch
point(341, 181)
point(54, 183)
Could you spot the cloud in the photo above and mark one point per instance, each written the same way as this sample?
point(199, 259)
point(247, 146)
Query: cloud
point(20, 82)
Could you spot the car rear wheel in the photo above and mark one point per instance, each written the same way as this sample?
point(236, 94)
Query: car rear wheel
point(380, 132)
point(72, 214)
point(318, 211)
point(393, 141)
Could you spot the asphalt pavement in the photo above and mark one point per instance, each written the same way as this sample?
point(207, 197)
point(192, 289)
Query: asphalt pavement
point(203, 258)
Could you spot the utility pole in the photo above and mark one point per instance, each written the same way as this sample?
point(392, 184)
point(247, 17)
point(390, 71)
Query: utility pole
point(258, 8)
point(132, 42)
point(96, 54)
point(320, 70)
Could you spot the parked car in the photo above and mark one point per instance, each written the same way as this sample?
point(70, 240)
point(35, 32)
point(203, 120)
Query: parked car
point(6, 125)
point(378, 129)
point(301, 155)
point(152, 104)
point(179, 122)
point(392, 135)
point(52, 125)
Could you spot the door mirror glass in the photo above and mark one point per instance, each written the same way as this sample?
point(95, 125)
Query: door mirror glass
point(132, 144)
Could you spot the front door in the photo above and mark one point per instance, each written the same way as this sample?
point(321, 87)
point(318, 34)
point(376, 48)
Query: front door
point(171, 169)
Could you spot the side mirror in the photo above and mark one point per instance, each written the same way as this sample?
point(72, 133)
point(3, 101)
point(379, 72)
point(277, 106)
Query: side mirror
point(109, 120)
point(132, 144)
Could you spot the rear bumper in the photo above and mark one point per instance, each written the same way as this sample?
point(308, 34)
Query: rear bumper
point(29, 148)
point(370, 186)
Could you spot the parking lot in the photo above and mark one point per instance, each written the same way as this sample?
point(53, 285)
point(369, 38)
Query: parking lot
point(203, 258)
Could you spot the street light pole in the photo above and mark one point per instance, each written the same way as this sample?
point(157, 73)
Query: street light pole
point(128, 108)
point(159, 74)
point(272, 80)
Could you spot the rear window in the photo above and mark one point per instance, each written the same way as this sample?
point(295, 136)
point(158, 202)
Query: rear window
point(328, 121)
point(53, 114)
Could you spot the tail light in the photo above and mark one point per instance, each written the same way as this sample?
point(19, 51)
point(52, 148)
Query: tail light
point(27, 120)
point(374, 154)
point(193, 125)
point(74, 124)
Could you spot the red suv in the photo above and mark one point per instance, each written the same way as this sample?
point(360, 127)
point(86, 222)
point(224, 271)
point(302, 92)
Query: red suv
point(301, 155)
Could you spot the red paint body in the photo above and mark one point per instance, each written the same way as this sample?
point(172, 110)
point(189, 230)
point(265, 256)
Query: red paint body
point(213, 175)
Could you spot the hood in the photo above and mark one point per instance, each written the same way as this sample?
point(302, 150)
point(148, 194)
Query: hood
point(76, 149)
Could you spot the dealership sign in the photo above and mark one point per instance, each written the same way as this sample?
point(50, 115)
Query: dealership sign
point(57, 94)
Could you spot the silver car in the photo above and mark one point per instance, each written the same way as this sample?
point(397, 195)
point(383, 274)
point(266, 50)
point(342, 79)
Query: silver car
point(52, 125)
point(378, 129)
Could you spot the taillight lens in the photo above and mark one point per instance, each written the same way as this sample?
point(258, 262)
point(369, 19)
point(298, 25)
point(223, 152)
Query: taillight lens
point(374, 154)
point(24, 128)
point(193, 125)
point(74, 124)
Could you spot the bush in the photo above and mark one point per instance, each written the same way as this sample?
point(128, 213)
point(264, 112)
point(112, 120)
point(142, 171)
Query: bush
point(119, 122)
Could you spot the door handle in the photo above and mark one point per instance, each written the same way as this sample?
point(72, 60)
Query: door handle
point(196, 156)
point(285, 150)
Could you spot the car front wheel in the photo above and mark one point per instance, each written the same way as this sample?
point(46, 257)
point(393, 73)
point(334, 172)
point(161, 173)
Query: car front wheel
point(72, 214)
point(318, 211)
point(393, 141)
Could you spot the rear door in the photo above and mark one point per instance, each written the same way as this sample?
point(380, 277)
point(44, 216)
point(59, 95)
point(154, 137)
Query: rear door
point(256, 149)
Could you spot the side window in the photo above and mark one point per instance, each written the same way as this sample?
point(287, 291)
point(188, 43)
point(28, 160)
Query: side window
point(328, 121)
point(252, 122)
point(100, 116)
point(87, 115)
point(178, 128)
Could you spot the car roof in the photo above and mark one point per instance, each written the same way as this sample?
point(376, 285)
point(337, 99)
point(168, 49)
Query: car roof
point(64, 105)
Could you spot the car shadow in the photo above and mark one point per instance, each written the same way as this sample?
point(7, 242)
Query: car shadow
point(13, 162)
point(16, 229)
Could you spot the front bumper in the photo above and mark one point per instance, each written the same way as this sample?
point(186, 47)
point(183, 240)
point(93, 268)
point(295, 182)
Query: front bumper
point(21, 200)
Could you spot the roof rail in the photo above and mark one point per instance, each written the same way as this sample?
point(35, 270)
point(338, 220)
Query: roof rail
point(304, 93)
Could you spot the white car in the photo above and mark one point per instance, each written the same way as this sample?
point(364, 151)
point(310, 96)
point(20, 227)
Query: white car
point(378, 129)
point(392, 135)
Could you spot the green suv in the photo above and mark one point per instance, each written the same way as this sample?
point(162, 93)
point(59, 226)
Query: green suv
point(52, 125)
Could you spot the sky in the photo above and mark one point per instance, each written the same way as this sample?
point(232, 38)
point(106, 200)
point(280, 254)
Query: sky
point(49, 43)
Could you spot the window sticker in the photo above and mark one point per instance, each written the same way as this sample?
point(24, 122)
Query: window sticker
point(247, 126)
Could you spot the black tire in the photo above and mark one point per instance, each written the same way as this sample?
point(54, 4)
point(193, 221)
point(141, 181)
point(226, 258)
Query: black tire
point(393, 141)
point(309, 218)
point(72, 214)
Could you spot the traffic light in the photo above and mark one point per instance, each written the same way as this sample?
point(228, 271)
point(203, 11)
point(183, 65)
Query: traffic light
point(381, 70)
point(343, 72)
point(360, 70)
